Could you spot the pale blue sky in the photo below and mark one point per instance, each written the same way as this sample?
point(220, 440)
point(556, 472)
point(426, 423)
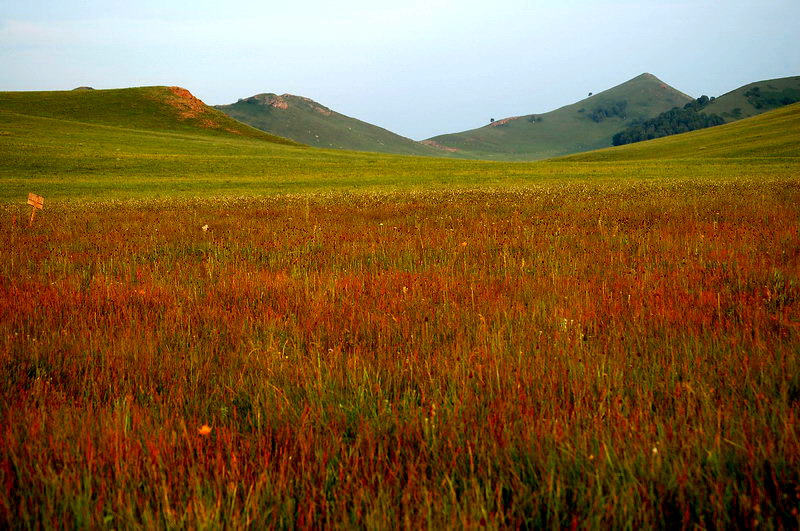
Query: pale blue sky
point(418, 68)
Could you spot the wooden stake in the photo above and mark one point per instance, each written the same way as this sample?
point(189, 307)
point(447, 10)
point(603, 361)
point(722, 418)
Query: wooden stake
point(37, 202)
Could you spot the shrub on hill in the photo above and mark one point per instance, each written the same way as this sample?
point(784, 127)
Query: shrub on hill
point(766, 99)
point(699, 103)
point(671, 122)
point(599, 114)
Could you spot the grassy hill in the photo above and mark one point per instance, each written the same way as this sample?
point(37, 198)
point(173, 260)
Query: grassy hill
point(167, 109)
point(773, 134)
point(311, 123)
point(123, 146)
point(756, 98)
point(133, 143)
point(574, 128)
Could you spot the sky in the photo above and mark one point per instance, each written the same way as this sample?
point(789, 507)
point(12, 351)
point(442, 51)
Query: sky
point(418, 67)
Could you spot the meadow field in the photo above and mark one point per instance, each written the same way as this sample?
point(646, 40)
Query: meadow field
point(200, 332)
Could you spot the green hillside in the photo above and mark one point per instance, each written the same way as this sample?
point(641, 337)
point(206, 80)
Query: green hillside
point(130, 144)
point(54, 150)
point(773, 134)
point(756, 98)
point(583, 126)
point(308, 122)
point(172, 109)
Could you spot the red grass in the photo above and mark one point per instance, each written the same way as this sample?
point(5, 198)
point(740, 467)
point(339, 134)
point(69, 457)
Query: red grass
point(618, 356)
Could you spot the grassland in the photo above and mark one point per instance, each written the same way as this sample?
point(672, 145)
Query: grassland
point(69, 160)
point(386, 341)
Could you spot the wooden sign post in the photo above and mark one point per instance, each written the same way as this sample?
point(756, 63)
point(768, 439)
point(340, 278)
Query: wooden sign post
point(37, 202)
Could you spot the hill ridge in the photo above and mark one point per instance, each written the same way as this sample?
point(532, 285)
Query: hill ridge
point(310, 122)
point(160, 108)
point(587, 124)
point(737, 104)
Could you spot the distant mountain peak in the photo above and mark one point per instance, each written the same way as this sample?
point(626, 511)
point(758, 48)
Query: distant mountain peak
point(284, 101)
point(268, 98)
point(646, 76)
point(647, 79)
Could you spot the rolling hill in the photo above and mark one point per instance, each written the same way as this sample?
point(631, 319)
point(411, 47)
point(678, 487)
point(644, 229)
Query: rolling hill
point(756, 98)
point(166, 109)
point(126, 146)
point(773, 134)
point(705, 112)
point(141, 143)
point(309, 122)
point(586, 125)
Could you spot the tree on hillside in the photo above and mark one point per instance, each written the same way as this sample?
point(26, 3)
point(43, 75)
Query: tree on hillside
point(668, 123)
point(699, 103)
point(764, 99)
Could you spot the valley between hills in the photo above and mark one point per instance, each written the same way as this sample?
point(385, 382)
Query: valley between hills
point(583, 126)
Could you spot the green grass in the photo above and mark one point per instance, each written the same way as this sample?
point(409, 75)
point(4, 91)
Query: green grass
point(568, 129)
point(160, 109)
point(310, 123)
point(67, 159)
point(772, 135)
point(734, 105)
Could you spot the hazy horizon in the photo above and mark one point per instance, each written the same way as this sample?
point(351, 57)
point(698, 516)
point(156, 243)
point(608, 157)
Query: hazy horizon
point(418, 68)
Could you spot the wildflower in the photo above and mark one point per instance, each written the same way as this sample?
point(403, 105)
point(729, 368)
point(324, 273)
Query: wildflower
point(463, 244)
point(205, 227)
point(655, 450)
point(204, 430)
